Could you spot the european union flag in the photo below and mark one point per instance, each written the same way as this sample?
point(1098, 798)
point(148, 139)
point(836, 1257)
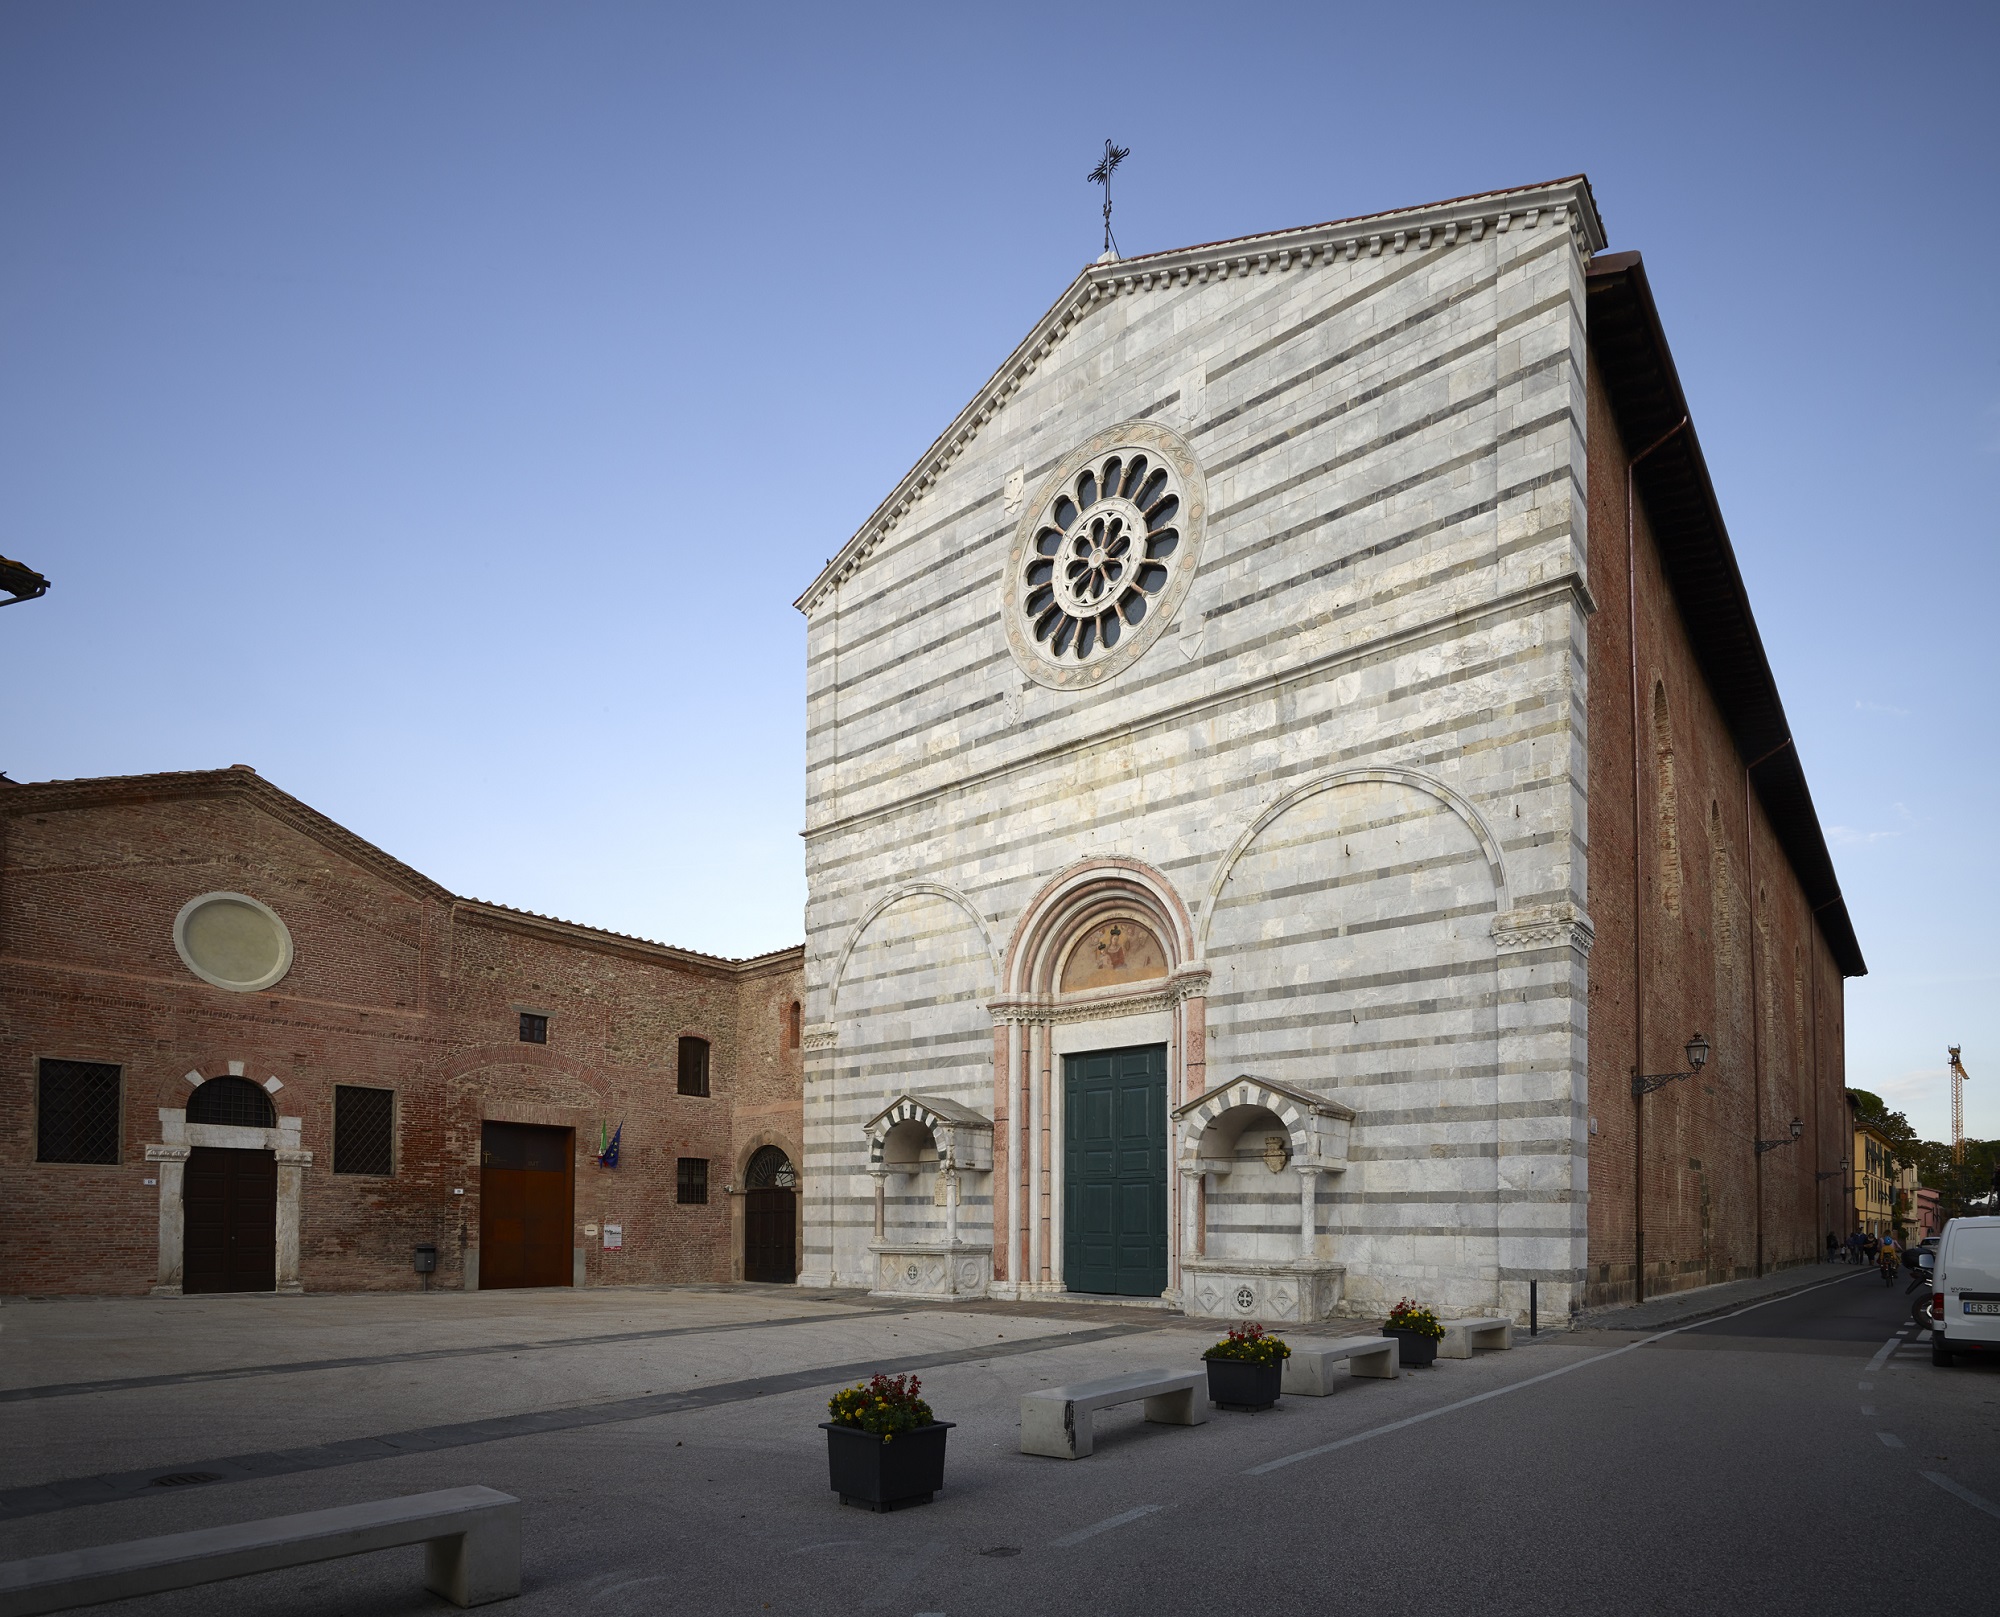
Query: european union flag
point(608, 1157)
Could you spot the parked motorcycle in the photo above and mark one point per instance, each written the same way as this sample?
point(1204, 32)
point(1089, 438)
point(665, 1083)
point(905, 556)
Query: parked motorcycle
point(1919, 1290)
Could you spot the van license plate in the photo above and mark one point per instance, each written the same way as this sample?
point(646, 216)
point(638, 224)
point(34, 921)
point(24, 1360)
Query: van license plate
point(1982, 1308)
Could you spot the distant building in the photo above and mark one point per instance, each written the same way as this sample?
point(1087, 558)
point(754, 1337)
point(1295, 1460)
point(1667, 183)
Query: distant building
point(243, 1049)
point(1884, 1187)
point(1278, 765)
point(1926, 1219)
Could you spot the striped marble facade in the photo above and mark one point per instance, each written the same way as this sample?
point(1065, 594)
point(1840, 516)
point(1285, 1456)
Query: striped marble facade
point(1345, 787)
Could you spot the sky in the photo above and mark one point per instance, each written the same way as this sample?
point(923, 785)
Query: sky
point(439, 406)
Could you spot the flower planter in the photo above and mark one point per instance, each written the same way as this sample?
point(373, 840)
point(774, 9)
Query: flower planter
point(875, 1474)
point(1243, 1383)
point(1414, 1347)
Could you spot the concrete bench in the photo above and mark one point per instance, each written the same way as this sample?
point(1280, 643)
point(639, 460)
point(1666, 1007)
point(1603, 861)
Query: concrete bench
point(1461, 1336)
point(1310, 1369)
point(472, 1539)
point(1057, 1421)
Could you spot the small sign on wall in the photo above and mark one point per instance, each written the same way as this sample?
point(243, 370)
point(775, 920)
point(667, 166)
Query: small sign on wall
point(614, 1237)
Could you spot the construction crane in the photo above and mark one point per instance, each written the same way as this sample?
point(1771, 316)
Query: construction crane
point(1958, 1081)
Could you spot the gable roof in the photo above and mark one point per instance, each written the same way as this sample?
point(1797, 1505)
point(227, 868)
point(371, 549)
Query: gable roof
point(241, 781)
point(1567, 202)
point(1644, 392)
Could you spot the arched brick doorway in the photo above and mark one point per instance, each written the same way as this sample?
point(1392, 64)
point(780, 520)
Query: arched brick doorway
point(770, 1217)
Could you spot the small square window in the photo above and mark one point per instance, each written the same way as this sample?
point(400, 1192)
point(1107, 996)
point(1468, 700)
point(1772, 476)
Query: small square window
point(76, 1112)
point(691, 1182)
point(693, 1066)
point(534, 1029)
point(364, 1133)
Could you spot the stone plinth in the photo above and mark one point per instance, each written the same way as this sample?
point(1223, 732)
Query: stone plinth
point(1274, 1293)
point(930, 1270)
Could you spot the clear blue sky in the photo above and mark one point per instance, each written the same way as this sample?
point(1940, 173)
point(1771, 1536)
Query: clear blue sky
point(438, 406)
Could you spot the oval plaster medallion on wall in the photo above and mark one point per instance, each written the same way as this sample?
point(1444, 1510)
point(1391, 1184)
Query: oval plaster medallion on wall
point(1104, 556)
point(233, 941)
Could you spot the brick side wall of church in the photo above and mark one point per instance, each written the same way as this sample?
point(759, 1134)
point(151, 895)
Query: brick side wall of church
point(1692, 917)
point(389, 988)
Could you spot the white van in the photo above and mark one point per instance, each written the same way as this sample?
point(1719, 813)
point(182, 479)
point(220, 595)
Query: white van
point(1965, 1295)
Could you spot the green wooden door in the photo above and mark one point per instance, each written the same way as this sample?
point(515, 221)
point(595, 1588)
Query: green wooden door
point(1115, 1171)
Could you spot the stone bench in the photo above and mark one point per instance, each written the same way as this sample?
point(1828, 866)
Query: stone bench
point(1461, 1336)
point(1057, 1421)
point(1310, 1369)
point(472, 1539)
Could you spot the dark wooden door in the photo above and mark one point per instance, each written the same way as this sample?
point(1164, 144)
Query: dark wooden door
point(525, 1179)
point(229, 1239)
point(770, 1218)
point(1115, 1171)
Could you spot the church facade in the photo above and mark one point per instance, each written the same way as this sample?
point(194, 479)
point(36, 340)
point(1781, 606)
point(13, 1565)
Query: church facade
point(1235, 876)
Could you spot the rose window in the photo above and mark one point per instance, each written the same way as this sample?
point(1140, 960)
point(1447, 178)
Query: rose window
point(1101, 555)
point(1103, 559)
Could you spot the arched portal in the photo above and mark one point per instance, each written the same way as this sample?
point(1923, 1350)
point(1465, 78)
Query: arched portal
point(232, 1182)
point(770, 1217)
point(1100, 1035)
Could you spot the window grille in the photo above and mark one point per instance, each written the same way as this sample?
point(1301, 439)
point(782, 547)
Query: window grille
point(694, 1066)
point(232, 1100)
point(534, 1029)
point(364, 1129)
point(691, 1181)
point(76, 1114)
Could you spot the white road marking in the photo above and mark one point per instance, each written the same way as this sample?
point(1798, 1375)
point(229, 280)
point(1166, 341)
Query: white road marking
point(823, 1544)
point(1515, 1386)
point(1104, 1526)
point(1964, 1493)
point(1866, 1386)
point(1882, 1354)
point(1867, 1409)
point(1890, 1440)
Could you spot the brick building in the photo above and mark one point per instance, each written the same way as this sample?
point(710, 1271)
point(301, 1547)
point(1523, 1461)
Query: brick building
point(243, 1049)
point(1260, 823)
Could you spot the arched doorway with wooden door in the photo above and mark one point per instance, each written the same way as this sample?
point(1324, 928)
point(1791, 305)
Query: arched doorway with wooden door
point(229, 1194)
point(770, 1217)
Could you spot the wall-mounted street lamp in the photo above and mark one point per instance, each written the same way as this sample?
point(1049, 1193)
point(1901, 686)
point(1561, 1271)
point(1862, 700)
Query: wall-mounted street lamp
point(21, 582)
point(1644, 1083)
point(1798, 1128)
point(1833, 1173)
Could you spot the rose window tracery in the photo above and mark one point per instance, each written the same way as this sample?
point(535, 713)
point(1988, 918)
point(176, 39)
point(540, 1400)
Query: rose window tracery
point(1105, 558)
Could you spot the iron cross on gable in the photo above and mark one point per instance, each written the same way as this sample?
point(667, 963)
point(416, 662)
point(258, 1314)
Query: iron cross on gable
point(1101, 175)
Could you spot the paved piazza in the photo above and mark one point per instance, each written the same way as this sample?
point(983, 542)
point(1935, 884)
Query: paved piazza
point(664, 1443)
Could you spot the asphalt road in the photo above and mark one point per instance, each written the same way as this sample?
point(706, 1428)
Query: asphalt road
point(1799, 1456)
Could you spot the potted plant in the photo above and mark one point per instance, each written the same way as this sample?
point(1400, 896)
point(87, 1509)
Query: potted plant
point(884, 1447)
point(1417, 1332)
point(1246, 1368)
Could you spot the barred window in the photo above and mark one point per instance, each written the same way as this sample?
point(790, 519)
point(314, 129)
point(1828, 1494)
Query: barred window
point(694, 1068)
point(534, 1029)
point(76, 1113)
point(364, 1129)
point(691, 1182)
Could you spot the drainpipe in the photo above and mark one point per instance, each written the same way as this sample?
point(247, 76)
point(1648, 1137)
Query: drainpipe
point(1638, 874)
point(1756, 1028)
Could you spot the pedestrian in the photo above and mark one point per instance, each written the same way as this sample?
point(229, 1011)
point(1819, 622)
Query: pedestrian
point(1832, 1246)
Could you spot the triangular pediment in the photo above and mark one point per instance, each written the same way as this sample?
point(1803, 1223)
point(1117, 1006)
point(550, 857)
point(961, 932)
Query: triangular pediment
point(1566, 202)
